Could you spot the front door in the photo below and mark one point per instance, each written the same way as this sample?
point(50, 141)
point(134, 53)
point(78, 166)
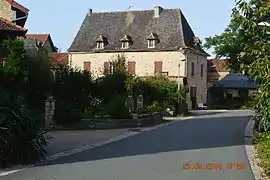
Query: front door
point(193, 95)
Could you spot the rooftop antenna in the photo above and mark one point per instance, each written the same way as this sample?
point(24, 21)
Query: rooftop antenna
point(129, 7)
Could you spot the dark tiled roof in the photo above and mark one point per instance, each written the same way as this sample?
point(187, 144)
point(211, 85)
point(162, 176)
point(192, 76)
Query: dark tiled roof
point(236, 81)
point(59, 58)
point(6, 25)
point(31, 46)
point(171, 28)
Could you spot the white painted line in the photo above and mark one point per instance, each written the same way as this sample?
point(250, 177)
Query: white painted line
point(250, 150)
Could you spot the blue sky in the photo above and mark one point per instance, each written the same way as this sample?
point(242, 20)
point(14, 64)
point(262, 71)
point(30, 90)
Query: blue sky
point(63, 18)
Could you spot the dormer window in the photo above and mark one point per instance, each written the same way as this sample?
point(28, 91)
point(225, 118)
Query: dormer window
point(100, 45)
point(151, 44)
point(152, 40)
point(126, 42)
point(101, 42)
point(197, 41)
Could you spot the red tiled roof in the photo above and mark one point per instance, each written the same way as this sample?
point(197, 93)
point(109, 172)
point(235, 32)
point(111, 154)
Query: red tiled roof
point(18, 6)
point(220, 65)
point(6, 25)
point(41, 37)
point(59, 58)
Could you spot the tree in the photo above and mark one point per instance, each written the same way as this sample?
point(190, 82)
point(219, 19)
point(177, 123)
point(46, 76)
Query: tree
point(237, 36)
point(252, 48)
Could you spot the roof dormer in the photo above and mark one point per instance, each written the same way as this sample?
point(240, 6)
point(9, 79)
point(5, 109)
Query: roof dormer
point(101, 41)
point(126, 42)
point(153, 40)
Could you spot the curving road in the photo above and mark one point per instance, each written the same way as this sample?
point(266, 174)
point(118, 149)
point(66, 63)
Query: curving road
point(160, 154)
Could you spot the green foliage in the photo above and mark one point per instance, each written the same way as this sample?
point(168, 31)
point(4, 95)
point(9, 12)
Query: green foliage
point(155, 107)
point(110, 86)
point(251, 41)
point(159, 89)
point(71, 88)
point(21, 139)
point(116, 108)
point(12, 75)
point(262, 143)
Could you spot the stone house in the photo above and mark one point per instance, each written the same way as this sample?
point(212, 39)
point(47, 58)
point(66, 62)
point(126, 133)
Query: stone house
point(153, 41)
point(13, 12)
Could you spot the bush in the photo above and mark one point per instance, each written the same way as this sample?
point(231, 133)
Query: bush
point(71, 90)
point(21, 139)
point(117, 109)
point(159, 89)
point(68, 112)
point(155, 107)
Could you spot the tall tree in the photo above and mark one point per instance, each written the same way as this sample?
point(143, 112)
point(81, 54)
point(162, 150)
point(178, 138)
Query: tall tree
point(246, 42)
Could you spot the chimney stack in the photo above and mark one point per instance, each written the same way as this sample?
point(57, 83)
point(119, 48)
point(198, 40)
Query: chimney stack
point(90, 11)
point(157, 10)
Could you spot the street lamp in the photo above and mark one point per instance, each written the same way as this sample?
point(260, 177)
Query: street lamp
point(178, 80)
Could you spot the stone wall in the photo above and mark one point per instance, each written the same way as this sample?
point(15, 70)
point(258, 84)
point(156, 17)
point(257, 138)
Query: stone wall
point(198, 81)
point(5, 10)
point(144, 62)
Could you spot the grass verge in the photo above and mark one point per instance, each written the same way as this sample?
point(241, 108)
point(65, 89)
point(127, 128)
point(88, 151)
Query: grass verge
point(262, 145)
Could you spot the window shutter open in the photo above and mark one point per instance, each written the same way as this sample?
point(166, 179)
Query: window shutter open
point(87, 66)
point(158, 67)
point(132, 67)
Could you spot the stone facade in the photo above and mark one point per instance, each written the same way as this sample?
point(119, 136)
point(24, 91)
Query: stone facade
point(5, 10)
point(145, 66)
point(198, 79)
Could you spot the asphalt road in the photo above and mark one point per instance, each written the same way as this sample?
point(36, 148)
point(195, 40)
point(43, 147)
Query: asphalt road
point(160, 154)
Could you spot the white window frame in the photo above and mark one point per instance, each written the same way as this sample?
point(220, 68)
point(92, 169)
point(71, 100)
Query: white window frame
point(125, 45)
point(150, 45)
point(100, 45)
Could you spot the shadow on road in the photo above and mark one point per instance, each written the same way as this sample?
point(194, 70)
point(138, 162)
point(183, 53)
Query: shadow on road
point(198, 133)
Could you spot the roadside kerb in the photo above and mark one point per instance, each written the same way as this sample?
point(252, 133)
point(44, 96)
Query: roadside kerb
point(250, 149)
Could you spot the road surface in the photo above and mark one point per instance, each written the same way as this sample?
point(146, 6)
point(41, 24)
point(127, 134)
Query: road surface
point(160, 154)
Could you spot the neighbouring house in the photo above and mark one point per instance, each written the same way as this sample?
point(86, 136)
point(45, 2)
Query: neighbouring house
point(34, 44)
point(13, 12)
point(235, 81)
point(45, 40)
point(153, 42)
point(8, 31)
point(232, 86)
point(216, 70)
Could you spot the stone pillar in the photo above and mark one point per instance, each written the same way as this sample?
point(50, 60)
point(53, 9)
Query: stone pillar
point(49, 111)
point(140, 102)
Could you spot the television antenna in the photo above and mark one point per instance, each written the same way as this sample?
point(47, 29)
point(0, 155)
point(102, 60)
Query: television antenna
point(130, 7)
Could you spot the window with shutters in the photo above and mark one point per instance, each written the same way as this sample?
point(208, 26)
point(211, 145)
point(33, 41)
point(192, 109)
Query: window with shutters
point(201, 70)
point(158, 67)
point(87, 66)
point(131, 67)
point(192, 69)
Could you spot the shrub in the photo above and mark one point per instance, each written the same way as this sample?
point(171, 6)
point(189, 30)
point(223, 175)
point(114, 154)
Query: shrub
point(71, 89)
point(159, 89)
point(68, 112)
point(155, 107)
point(21, 139)
point(117, 109)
